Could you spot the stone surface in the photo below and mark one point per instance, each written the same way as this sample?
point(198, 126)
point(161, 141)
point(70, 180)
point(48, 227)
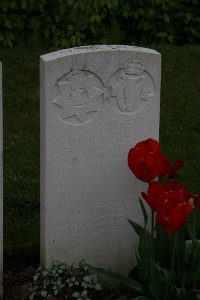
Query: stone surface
point(1, 186)
point(96, 103)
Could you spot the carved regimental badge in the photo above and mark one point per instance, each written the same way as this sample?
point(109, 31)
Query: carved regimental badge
point(128, 89)
point(78, 97)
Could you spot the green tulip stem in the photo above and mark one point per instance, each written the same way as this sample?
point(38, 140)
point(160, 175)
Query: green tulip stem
point(152, 222)
point(174, 246)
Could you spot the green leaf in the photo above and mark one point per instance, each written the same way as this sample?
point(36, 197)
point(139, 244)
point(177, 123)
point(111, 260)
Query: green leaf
point(4, 6)
point(1, 37)
point(45, 273)
point(179, 246)
point(191, 230)
point(146, 255)
point(32, 296)
point(171, 38)
point(120, 279)
point(125, 14)
point(43, 294)
point(36, 276)
point(151, 11)
point(76, 294)
point(7, 24)
point(138, 228)
point(55, 263)
point(24, 5)
point(46, 33)
point(162, 34)
point(13, 4)
point(192, 261)
point(87, 278)
point(98, 287)
point(162, 282)
point(73, 40)
point(166, 18)
point(84, 293)
point(193, 222)
point(144, 212)
point(188, 16)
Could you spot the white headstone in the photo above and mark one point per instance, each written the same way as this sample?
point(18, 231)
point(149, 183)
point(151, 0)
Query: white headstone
point(1, 187)
point(96, 103)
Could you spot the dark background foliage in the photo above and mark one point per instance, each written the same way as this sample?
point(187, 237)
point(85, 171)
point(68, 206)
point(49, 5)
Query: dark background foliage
point(68, 23)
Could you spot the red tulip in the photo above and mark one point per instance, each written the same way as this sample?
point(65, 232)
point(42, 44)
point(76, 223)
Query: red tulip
point(144, 160)
point(171, 202)
point(155, 195)
point(180, 188)
point(174, 211)
point(147, 162)
point(180, 214)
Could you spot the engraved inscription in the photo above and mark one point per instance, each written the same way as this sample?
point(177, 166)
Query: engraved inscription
point(78, 97)
point(95, 228)
point(128, 90)
point(94, 219)
point(102, 146)
point(92, 155)
point(98, 219)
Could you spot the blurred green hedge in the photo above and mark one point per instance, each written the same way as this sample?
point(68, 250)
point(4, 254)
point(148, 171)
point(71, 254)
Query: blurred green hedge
point(66, 23)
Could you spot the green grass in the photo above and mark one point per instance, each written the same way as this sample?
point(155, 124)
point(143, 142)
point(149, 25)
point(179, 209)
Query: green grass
point(180, 110)
point(179, 135)
point(21, 151)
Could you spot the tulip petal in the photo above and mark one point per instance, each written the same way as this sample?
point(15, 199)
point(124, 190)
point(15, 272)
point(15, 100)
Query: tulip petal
point(180, 214)
point(174, 169)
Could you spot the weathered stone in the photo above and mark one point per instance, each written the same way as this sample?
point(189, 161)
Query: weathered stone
point(96, 103)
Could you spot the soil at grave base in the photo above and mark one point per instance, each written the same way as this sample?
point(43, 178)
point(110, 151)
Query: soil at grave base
point(17, 285)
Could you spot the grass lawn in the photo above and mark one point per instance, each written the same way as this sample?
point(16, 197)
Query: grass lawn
point(179, 135)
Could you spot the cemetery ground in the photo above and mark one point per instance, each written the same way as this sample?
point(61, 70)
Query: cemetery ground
point(179, 136)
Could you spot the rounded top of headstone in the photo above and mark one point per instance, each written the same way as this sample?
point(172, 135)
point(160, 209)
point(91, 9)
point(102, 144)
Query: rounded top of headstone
point(95, 48)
